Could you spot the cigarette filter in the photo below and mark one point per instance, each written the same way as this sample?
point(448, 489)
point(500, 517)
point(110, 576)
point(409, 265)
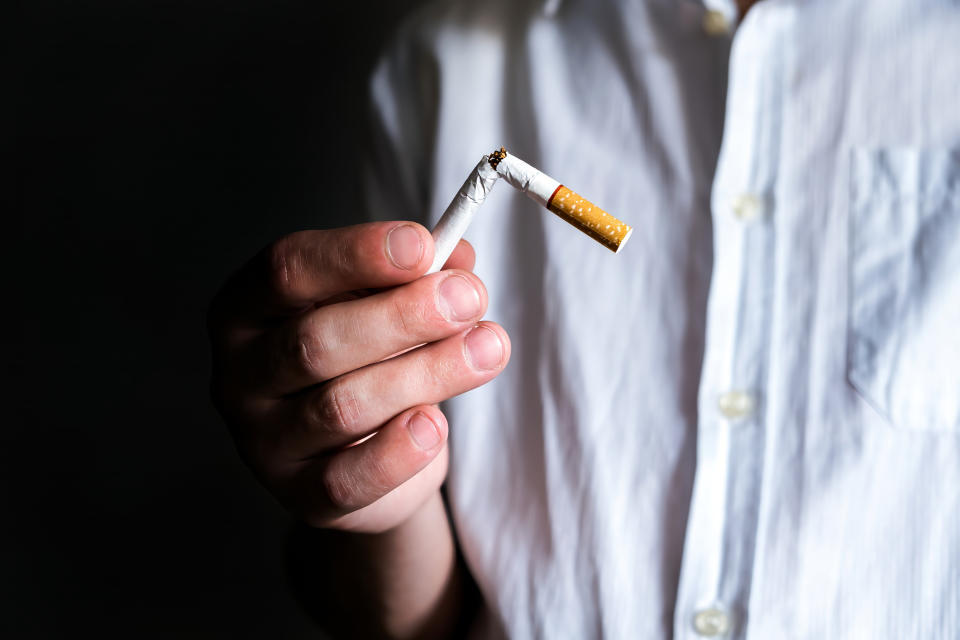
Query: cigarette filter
point(568, 205)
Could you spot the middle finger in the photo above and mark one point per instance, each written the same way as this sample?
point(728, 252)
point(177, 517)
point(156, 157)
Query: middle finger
point(332, 340)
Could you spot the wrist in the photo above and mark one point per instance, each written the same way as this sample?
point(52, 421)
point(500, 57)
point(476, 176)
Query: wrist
point(403, 582)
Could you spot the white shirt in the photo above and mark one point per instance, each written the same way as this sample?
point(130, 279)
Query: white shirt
point(748, 421)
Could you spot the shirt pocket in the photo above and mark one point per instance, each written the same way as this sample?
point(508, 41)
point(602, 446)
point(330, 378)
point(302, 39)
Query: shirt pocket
point(904, 322)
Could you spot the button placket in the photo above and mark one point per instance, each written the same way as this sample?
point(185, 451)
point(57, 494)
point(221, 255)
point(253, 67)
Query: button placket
point(711, 622)
point(747, 207)
point(736, 405)
point(731, 433)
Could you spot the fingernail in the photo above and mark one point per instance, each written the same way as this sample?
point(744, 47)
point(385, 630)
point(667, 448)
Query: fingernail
point(484, 349)
point(424, 432)
point(404, 246)
point(459, 299)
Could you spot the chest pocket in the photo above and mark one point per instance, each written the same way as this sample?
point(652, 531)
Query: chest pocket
point(904, 342)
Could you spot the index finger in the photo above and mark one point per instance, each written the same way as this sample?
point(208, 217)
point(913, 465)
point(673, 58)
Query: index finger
point(307, 267)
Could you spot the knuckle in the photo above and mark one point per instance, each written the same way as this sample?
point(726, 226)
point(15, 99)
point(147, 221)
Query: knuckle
point(406, 316)
point(414, 310)
point(337, 408)
point(339, 491)
point(442, 370)
point(342, 257)
point(446, 372)
point(398, 313)
point(311, 351)
point(281, 266)
point(380, 476)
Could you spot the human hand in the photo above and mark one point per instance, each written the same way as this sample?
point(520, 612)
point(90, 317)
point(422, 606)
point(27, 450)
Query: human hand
point(330, 352)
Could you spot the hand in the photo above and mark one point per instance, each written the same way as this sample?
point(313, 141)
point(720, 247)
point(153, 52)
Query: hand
point(330, 352)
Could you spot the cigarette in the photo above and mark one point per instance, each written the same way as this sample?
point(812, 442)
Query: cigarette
point(455, 220)
point(578, 211)
point(568, 205)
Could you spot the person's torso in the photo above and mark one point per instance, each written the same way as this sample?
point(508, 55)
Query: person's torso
point(750, 417)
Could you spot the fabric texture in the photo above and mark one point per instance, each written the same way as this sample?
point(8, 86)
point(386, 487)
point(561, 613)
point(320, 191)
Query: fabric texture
point(750, 417)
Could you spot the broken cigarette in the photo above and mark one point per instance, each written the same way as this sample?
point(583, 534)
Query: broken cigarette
point(568, 205)
point(455, 220)
point(571, 207)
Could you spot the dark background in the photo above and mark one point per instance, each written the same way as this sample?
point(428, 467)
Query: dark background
point(155, 147)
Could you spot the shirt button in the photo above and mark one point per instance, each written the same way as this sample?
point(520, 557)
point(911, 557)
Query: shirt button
point(711, 622)
point(735, 404)
point(746, 207)
point(715, 23)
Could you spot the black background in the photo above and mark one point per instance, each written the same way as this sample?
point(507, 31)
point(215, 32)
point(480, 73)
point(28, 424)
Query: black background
point(155, 147)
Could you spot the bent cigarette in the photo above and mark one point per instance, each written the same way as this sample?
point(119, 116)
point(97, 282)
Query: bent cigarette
point(573, 208)
point(455, 220)
point(569, 206)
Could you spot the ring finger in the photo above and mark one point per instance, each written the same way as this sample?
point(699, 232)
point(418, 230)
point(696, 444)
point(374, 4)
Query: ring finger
point(353, 405)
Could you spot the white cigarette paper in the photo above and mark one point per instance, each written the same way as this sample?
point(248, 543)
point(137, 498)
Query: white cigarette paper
point(544, 190)
point(569, 206)
point(533, 182)
point(455, 220)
